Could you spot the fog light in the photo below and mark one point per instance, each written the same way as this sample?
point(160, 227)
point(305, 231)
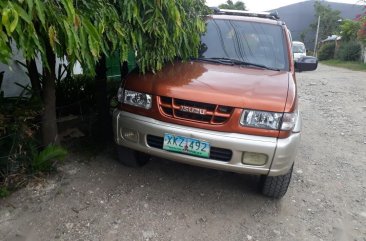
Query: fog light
point(252, 158)
point(130, 135)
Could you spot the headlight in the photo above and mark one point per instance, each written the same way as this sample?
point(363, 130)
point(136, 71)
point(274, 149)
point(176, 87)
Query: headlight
point(261, 119)
point(137, 99)
point(268, 120)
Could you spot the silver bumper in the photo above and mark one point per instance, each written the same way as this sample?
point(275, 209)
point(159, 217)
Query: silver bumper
point(280, 152)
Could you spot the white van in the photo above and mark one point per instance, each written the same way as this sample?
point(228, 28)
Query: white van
point(299, 50)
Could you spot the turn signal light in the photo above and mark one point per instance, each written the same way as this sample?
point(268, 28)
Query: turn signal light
point(130, 135)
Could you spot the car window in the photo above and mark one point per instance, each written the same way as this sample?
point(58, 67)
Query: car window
point(257, 43)
point(298, 49)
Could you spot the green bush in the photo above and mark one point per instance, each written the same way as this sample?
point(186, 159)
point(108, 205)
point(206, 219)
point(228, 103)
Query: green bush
point(21, 154)
point(45, 160)
point(326, 51)
point(349, 51)
point(19, 118)
point(76, 94)
point(4, 192)
point(73, 92)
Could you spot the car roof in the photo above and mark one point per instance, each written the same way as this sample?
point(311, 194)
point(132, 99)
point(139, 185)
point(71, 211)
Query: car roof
point(247, 16)
point(245, 19)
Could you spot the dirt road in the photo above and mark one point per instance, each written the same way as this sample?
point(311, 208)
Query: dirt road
point(98, 199)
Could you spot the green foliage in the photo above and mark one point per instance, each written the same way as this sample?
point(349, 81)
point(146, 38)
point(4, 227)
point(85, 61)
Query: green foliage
point(71, 89)
point(4, 192)
point(20, 150)
point(361, 19)
point(76, 94)
point(326, 51)
point(361, 34)
point(1, 82)
point(46, 159)
point(59, 25)
point(238, 5)
point(302, 36)
point(349, 51)
point(159, 31)
point(19, 118)
point(349, 29)
point(352, 65)
point(328, 19)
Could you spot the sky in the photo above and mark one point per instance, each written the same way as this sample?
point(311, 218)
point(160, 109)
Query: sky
point(264, 5)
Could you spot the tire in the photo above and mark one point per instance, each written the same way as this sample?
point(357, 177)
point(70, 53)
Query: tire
point(276, 186)
point(131, 158)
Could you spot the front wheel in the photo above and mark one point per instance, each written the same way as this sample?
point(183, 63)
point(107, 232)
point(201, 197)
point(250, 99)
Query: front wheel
point(276, 186)
point(131, 158)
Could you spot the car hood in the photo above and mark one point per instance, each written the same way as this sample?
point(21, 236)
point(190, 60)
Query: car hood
point(242, 87)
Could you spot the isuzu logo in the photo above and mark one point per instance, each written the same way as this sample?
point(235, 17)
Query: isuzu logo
point(193, 110)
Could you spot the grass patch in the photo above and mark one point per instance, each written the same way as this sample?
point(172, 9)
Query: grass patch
point(352, 65)
point(4, 192)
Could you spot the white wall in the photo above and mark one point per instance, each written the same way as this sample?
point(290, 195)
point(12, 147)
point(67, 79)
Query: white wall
point(15, 73)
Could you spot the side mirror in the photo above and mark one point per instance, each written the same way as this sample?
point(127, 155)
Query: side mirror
point(306, 63)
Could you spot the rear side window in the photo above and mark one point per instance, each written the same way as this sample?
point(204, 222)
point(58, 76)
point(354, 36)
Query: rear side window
point(257, 43)
point(298, 48)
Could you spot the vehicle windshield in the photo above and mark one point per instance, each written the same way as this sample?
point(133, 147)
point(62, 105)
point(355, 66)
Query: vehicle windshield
point(255, 43)
point(298, 49)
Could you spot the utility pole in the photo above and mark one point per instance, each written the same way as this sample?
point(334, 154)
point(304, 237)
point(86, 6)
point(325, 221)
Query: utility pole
point(316, 38)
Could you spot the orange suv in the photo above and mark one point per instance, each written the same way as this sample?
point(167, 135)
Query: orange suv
point(234, 108)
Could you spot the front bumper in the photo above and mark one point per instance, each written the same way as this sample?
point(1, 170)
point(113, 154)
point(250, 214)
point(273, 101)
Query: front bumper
point(280, 152)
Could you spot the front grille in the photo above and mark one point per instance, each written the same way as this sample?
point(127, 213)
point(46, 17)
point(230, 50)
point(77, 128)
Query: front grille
point(216, 153)
point(208, 113)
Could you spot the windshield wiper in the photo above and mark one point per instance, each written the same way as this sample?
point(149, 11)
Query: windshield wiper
point(215, 60)
point(237, 62)
point(260, 66)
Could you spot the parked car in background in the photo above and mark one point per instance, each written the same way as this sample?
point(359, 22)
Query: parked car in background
point(235, 108)
point(299, 50)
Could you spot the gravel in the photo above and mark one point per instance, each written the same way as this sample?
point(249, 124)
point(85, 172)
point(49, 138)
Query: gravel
point(98, 199)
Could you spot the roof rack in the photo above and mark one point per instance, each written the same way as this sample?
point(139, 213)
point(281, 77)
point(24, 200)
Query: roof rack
point(270, 15)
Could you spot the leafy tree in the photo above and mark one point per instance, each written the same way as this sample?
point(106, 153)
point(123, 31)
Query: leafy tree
point(326, 51)
point(361, 34)
point(302, 37)
point(51, 29)
point(239, 5)
point(88, 31)
point(328, 19)
point(349, 51)
point(349, 29)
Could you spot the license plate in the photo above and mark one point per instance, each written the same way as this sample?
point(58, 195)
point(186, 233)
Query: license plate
point(186, 145)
